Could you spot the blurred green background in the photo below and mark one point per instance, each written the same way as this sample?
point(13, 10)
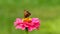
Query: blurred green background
point(48, 11)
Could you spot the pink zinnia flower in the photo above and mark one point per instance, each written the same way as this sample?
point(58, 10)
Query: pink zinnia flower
point(29, 23)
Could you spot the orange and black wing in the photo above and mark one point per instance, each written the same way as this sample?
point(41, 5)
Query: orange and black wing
point(26, 14)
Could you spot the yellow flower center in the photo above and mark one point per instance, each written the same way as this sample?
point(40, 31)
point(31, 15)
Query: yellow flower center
point(26, 19)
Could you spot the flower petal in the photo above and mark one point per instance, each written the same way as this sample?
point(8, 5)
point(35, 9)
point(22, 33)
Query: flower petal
point(18, 21)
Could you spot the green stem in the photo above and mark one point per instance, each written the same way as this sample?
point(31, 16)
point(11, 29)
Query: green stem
point(26, 31)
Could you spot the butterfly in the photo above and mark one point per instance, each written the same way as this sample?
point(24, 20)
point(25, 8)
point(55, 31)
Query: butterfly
point(26, 13)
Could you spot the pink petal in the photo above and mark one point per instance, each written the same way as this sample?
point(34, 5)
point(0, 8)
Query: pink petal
point(23, 27)
point(35, 20)
point(18, 21)
point(30, 29)
point(20, 27)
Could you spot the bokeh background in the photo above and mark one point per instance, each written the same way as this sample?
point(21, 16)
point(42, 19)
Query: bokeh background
point(48, 11)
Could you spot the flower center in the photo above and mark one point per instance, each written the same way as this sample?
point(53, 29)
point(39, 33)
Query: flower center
point(27, 20)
